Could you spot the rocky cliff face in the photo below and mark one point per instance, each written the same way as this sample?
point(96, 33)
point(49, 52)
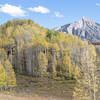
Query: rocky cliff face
point(86, 29)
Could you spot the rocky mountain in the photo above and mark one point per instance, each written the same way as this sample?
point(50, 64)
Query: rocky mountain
point(86, 29)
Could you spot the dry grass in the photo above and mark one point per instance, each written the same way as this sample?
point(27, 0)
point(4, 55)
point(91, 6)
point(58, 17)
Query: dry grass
point(10, 97)
point(30, 88)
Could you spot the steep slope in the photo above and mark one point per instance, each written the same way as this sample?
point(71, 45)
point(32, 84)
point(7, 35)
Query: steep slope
point(86, 29)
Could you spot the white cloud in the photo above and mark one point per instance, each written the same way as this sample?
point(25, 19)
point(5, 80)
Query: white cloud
point(12, 10)
point(98, 4)
point(58, 14)
point(40, 9)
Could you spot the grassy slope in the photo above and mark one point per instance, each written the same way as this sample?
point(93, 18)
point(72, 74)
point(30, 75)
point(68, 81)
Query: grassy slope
point(41, 89)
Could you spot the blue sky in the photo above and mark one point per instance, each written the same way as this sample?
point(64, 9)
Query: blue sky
point(49, 13)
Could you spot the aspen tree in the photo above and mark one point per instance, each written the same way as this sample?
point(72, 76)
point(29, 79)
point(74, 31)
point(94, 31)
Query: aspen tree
point(2, 76)
point(87, 83)
point(10, 75)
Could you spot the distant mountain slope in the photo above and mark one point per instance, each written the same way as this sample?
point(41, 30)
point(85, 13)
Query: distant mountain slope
point(86, 29)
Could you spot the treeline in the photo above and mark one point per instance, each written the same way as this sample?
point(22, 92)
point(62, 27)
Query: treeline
point(35, 51)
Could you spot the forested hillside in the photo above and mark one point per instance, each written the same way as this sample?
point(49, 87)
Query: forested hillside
point(26, 48)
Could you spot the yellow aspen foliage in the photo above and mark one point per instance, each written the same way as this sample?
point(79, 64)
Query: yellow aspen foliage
point(67, 66)
point(76, 72)
point(38, 40)
point(9, 31)
point(10, 75)
point(42, 63)
point(55, 46)
point(2, 76)
point(87, 85)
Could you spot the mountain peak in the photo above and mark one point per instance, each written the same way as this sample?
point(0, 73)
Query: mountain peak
point(86, 19)
point(86, 29)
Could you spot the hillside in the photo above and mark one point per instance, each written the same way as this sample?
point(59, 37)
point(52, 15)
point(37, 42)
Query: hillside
point(26, 43)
